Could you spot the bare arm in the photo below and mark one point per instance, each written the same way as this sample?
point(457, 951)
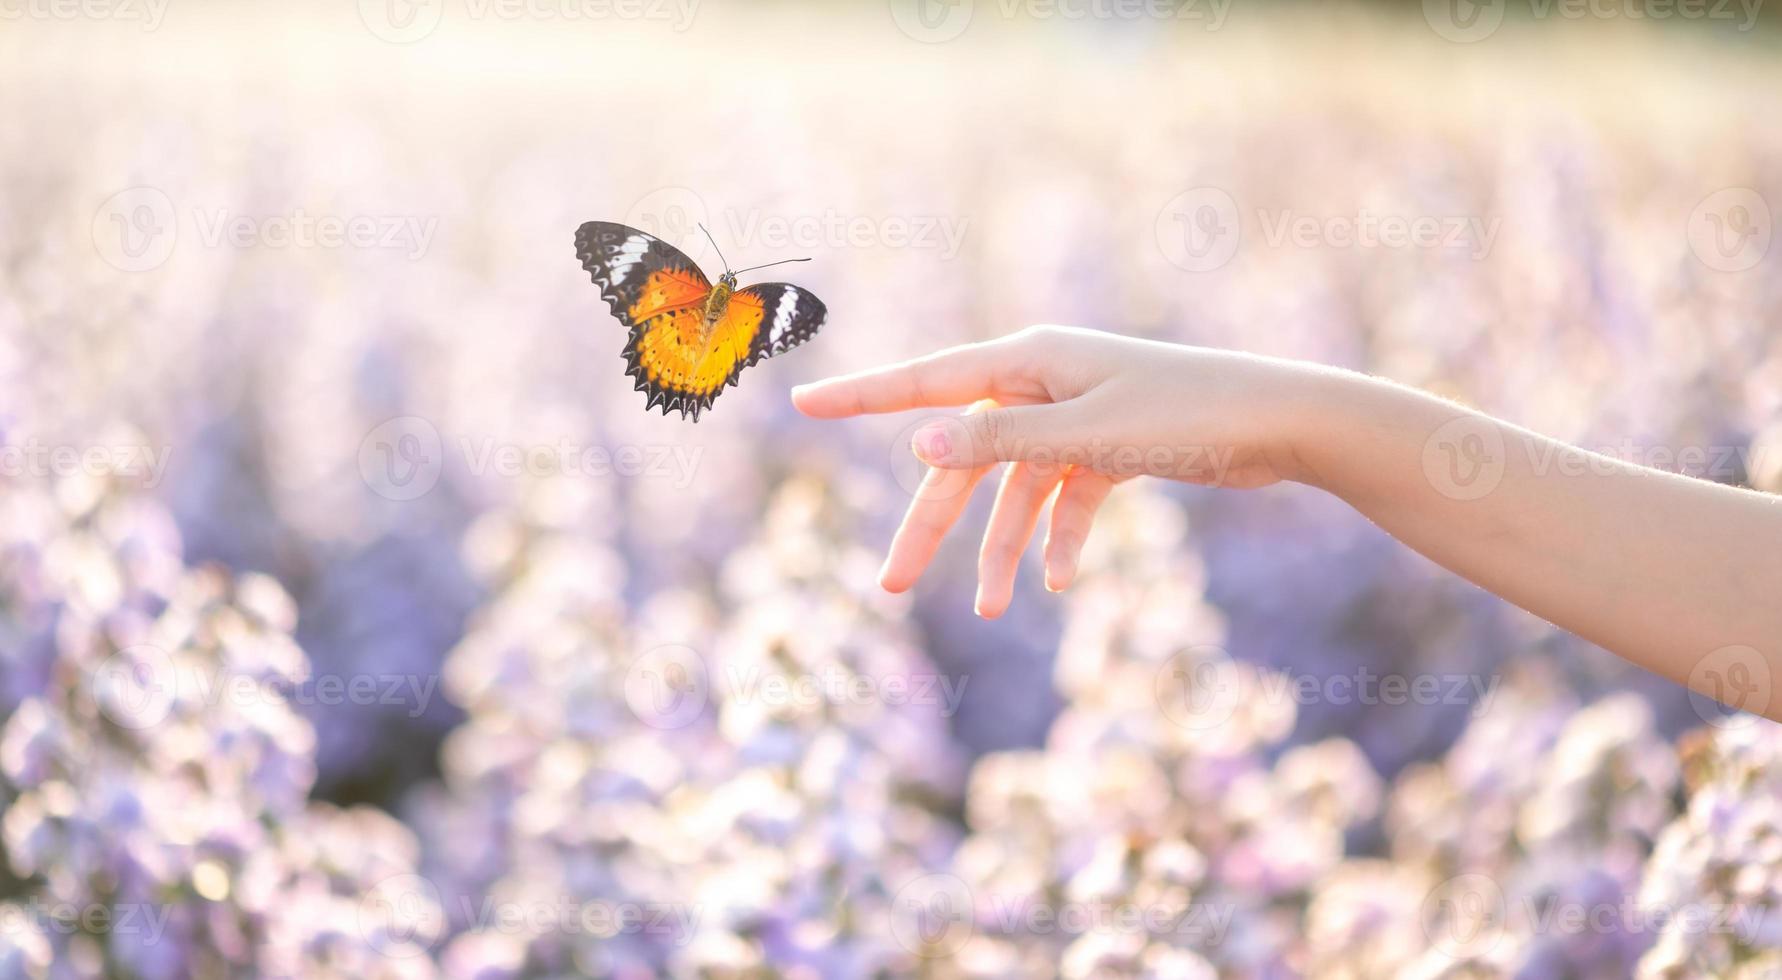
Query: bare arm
point(1678, 575)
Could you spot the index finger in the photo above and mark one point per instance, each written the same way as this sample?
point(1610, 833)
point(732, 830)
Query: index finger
point(955, 376)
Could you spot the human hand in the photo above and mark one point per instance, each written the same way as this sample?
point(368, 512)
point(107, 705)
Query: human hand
point(1073, 412)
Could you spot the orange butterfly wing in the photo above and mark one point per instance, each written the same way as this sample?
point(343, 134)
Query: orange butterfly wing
point(666, 289)
point(681, 373)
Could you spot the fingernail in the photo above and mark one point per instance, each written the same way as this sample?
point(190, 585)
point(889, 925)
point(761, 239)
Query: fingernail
point(885, 581)
point(931, 442)
point(1058, 573)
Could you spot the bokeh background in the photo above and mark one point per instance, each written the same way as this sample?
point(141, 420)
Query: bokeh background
point(356, 619)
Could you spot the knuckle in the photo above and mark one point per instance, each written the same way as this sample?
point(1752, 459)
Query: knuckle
point(918, 387)
point(995, 426)
point(1000, 554)
point(1064, 542)
point(928, 527)
point(1071, 514)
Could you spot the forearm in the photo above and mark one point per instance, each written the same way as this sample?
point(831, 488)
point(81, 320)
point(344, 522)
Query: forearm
point(1661, 569)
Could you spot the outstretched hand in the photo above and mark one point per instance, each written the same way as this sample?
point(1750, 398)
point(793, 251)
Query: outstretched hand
point(1072, 412)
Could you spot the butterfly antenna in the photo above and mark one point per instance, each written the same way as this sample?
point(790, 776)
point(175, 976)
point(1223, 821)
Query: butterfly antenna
point(752, 268)
point(715, 248)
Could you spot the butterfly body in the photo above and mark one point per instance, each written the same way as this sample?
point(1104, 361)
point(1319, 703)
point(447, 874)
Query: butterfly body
point(688, 337)
point(718, 303)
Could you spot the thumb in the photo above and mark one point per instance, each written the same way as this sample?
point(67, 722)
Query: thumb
point(990, 434)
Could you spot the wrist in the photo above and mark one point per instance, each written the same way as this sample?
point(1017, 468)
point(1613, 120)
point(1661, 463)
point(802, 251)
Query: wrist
point(1336, 415)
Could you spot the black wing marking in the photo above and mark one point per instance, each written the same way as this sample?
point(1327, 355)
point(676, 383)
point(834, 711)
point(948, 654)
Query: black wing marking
point(792, 315)
point(620, 260)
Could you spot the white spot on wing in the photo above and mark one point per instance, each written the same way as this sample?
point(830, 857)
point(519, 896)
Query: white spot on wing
point(782, 319)
point(626, 256)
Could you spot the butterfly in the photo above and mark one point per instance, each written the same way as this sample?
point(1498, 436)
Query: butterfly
point(688, 338)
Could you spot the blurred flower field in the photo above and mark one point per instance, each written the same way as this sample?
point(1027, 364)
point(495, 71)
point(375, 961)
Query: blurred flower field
point(356, 620)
